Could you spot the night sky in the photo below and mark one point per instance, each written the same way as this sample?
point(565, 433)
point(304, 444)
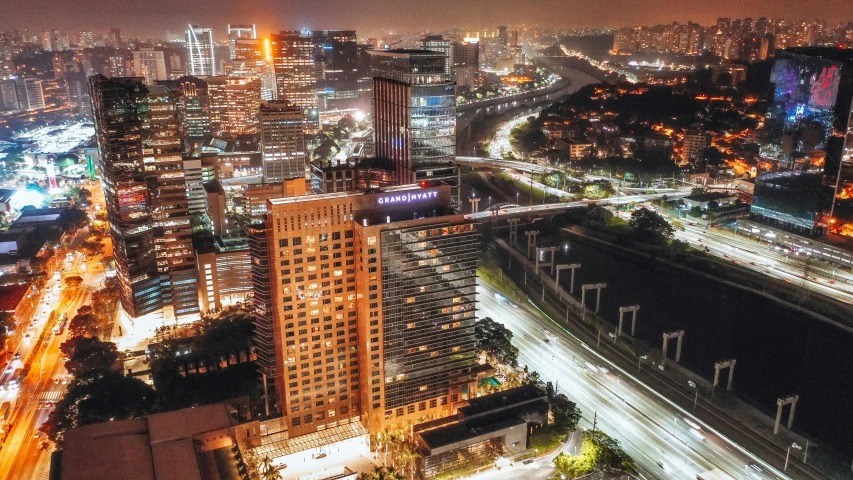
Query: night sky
point(144, 18)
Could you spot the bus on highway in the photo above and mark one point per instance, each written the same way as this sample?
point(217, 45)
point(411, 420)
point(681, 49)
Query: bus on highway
point(60, 324)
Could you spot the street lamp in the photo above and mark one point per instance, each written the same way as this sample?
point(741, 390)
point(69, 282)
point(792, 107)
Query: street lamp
point(788, 455)
point(692, 385)
point(640, 361)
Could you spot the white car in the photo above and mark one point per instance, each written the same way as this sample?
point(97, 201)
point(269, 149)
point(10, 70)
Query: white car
point(696, 434)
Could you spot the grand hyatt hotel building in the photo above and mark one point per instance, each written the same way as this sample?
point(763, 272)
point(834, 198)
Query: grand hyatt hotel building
point(365, 305)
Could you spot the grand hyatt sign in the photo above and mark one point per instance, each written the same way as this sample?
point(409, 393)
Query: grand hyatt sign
point(408, 197)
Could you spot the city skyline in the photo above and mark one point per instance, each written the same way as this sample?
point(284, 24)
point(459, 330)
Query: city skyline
point(375, 17)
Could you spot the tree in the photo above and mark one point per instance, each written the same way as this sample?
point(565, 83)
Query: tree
point(268, 470)
point(89, 356)
point(73, 281)
point(383, 472)
point(495, 341)
point(566, 413)
point(84, 325)
point(72, 218)
point(88, 400)
point(649, 225)
point(7, 320)
point(80, 195)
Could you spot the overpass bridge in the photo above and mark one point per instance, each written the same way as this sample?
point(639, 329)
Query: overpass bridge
point(510, 211)
point(499, 163)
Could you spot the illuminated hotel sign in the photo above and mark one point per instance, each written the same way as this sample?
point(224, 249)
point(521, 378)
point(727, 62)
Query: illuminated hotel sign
point(407, 197)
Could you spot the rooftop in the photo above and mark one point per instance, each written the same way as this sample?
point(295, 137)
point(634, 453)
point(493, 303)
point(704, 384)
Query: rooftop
point(709, 196)
point(11, 295)
point(156, 447)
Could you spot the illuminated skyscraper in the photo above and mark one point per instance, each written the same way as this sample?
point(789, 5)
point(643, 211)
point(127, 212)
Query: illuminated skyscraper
point(293, 59)
point(138, 127)
point(367, 307)
point(805, 100)
point(150, 64)
point(414, 114)
point(234, 105)
point(22, 94)
point(437, 43)
point(336, 57)
point(466, 63)
point(282, 141)
point(237, 32)
point(200, 51)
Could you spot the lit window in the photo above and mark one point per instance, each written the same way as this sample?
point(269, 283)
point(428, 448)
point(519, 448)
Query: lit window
point(422, 348)
point(456, 349)
point(422, 388)
point(371, 240)
point(410, 325)
point(410, 300)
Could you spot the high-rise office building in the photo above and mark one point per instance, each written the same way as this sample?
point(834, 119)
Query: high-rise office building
point(196, 111)
point(367, 306)
point(236, 32)
point(282, 141)
point(150, 64)
point(466, 63)
point(114, 38)
point(806, 102)
point(414, 114)
point(138, 127)
point(8, 96)
point(293, 60)
point(234, 105)
point(75, 85)
point(437, 43)
point(200, 51)
point(503, 39)
point(336, 57)
point(22, 94)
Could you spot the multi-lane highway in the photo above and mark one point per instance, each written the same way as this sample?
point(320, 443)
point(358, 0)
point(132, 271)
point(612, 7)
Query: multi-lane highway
point(25, 453)
point(665, 441)
point(766, 259)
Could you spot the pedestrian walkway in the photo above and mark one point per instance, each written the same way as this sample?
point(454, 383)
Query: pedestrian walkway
point(50, 396)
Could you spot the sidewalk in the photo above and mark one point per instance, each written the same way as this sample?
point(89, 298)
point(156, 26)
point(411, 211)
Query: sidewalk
point(739, 421)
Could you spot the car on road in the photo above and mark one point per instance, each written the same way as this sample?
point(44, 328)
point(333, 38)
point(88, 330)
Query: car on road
point(697, 434)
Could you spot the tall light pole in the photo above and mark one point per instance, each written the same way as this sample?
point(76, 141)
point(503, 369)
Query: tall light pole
point(788, 455)
point(692, 385)
point(640, 362)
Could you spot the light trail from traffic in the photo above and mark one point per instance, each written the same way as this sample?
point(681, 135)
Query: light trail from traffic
point(659, 436)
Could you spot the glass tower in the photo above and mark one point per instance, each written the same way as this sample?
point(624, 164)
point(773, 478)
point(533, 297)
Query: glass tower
point(414, 112)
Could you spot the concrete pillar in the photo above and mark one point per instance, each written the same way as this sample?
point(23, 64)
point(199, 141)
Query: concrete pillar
point(571, 267)
point(513, 231)
point(531, 242)
point(791, 413)
point(780, 404)
point(548, 260)
point(679, 335)
point(474, 204)
point(778, 416)
point(592, 286)
point(678, 347)
point(633, 309)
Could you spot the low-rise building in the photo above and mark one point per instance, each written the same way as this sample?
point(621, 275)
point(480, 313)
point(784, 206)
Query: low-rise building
point(495, 424)
point(199, 443)
point(703, 200)
point(224, 271)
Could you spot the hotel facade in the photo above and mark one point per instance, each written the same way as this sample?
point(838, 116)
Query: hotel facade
point(368, 306)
